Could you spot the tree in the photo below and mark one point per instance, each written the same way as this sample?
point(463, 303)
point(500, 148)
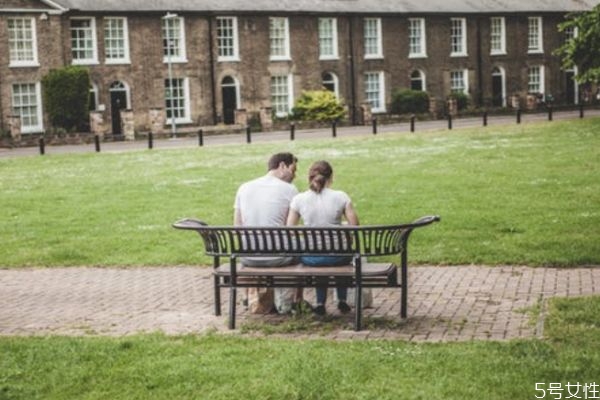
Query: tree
point(583, 49)
point(66, 97)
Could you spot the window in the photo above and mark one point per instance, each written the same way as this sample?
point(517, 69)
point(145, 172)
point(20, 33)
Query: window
point(83, 41)
point(280, 38)
point(372, 27)
point(330, 82)
point(328, 48)
point(281, 94)
point(535, 79)
point(374, 91)
point(416, 38)
point(177, 103)
point(26, 102)
point(22, 42)
point(173, 39)
point(570, 33)
point(417, 80)
point(458, 37)
point(116, 40)
point(459, 82)
point(227, 39)
point(497, 35)
point(534, 36)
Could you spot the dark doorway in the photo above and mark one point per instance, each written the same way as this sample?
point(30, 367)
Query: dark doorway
point(229, 92)
point(118, 102)
point(497, 88)
point(571, 89)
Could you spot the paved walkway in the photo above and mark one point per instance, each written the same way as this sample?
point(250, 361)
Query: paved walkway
point(445, 303)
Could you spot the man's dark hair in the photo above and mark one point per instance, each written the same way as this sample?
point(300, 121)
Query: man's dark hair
point(276, 159)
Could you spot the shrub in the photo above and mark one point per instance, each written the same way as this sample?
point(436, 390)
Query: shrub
point(462, 100)
point(318, 105)
point(66, 97)
point(406, 101)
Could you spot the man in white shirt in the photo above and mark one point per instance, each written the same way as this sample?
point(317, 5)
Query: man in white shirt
point(265, 201)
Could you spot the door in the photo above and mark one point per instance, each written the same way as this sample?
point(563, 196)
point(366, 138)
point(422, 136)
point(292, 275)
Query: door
point(229, 94)
point(497, 88)
point(118, 101)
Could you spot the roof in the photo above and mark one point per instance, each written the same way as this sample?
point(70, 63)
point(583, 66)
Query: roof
point(331, 6)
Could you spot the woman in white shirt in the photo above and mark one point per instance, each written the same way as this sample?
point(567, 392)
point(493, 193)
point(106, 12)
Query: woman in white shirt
point(322, 206)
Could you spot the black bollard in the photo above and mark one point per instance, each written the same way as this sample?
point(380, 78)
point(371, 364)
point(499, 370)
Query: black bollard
point(97, 143)
point(449, 121)
point(200, 137)
point(518, 115)
point(412, 123)
point(549, 113)
point(485, 118)
point(248, 134)
point(581, 110)
point(374, 123)
point(150, 141)
point(42, 146)
point(334, 129)
point(292, 131)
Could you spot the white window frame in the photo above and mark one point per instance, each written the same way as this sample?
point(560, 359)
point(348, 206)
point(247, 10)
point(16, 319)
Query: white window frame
point(575, 71)
point(458, 37)
point(421, 77)
point(334, 81)
point(380, 94)
point(28, 128)
point(497, 36)
point(227, 39)
point(185, 87)
point(22, 50)
point(328, 38)
point(539, 82)
point(417, 42)
point(177, 43)
point(282, 109)
point(90, 36)
point(123, 41)
point(279, 46)
point(372, 38)
point(464, 73)
point(535, 35)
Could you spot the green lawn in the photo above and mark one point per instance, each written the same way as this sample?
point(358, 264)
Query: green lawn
point(526, 194)
point(222, 367)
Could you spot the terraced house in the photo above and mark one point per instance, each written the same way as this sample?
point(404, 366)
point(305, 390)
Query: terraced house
point(204, 62)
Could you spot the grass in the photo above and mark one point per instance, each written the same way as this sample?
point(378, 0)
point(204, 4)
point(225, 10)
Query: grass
point(222, 367)
point(526, 194)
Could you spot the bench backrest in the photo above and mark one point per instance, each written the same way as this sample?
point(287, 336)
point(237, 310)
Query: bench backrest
point(366, 240)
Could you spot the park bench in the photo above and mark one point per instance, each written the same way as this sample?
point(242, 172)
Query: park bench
point(355, 241)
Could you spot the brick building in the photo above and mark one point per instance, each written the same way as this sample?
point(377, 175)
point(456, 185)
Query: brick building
point(209, 62)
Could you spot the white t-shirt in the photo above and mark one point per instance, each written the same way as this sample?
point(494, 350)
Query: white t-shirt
point(264, 201)
point(325, 208)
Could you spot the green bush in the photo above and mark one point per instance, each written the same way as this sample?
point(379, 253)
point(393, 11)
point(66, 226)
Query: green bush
point(406, 101)
point(462, 100)
point(66, 97)
point(318, 105)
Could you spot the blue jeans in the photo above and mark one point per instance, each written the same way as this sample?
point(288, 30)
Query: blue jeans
point(319, 261)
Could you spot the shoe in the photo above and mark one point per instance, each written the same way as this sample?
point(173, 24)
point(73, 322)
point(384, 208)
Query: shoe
point(343, 307)
point(319, 310)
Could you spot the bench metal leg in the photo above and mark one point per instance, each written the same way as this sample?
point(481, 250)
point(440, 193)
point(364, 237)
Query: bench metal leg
point(217, 295)
point(404, 288)
point(358, 308)
point(232, 301)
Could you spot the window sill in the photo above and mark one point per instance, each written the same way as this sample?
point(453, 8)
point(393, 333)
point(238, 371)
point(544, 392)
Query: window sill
point(85, 62)
point(413, 56)
point(228, 59)
point(118, 62)
point(459, 55)
point(24, 65)
point(329, 58)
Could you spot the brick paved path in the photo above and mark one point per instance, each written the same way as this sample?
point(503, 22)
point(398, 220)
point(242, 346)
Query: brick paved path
point(445, 303)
